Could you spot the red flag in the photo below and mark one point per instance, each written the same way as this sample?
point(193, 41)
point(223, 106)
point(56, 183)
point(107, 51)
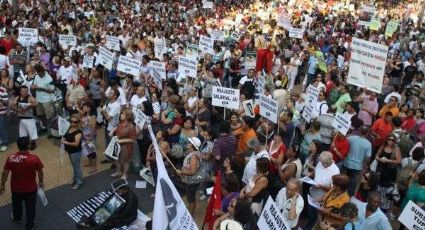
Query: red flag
point(214, 203)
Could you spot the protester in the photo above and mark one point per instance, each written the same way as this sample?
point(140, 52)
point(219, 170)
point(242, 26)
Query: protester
point(72, 141)
point(24, 167)
point(290, 202)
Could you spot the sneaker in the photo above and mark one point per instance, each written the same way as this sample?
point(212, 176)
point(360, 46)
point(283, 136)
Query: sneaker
point(76, 186)
point(117, 174)
point(203, 197)
point(3, 148)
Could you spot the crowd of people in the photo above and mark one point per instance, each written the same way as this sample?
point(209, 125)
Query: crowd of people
point(362, 179)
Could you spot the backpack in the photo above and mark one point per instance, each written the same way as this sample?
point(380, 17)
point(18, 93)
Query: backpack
point(403, 176)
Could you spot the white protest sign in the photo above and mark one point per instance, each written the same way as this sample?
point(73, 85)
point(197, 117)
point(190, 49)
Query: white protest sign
point(206, 45)
point(259, 86)
point(129, 65)
point(271, 218)
point(225, 97)
point(88, 62)
point(207, 4)
point(367, 64)
point(63, 125)
point(67, 40)
point(188, 66)
point(412, 217)
point(248, 106)
point(312, 94)
point(27, 36)
point(250, 59)
point(341, 123)
point(113, 150)
point(113, 43)
point(283, 21)
point(159, 67)
point(268, 108)
point(139, 117)
point(106, 58)
point(308, 109)
point(160, 48)
point(366, 15)
point(296, 32)
point(217, 35)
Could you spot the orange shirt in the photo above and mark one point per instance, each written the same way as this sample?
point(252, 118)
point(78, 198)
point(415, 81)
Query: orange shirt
point(386, 108)
point(243, 138)
point(383, 129)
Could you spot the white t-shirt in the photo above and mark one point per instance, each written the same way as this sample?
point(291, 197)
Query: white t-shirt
point(251, 168)
point(319, 109)
point(244, 79)
point(135, 100)
point(323, 176)
point(4, 61)
point(284, 205)
point(113, 109)
point(67, 74)
point(121, 98)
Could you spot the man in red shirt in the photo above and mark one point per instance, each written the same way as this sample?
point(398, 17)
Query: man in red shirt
point(339, 148)
point(7, 42)
point(24, 167)
point(381, 128)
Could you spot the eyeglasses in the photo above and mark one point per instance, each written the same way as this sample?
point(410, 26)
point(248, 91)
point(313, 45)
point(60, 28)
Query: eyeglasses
point(74, 121)
point(391, 139)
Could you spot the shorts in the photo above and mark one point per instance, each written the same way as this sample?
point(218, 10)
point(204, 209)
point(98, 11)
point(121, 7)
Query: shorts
point(191, 192)
point(47, 109)
point(27, 127)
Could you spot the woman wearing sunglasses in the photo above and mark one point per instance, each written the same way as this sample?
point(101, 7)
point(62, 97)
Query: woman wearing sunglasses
point(72, 142)
point(389, 157)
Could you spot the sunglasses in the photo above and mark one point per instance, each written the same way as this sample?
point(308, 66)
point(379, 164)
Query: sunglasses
point(74, 121)
point(391, 139)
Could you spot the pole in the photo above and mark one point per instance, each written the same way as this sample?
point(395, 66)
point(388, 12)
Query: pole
point(267, 131)
point(224, 114)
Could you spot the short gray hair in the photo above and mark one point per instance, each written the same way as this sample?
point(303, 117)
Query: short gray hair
point(253, 143)
point(326, 157)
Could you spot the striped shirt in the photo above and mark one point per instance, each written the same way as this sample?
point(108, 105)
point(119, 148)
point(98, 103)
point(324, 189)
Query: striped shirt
point(224, 146)
point(4, 100)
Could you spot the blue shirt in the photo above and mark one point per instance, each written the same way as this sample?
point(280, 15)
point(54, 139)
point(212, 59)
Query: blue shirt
point(376, 221)
point(360, 148)
point(312, 65)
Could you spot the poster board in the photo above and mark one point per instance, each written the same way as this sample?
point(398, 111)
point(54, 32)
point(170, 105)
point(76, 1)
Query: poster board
point(271, 217)
point(129, 65)
point(139, 117)
point(112, 43)
point(63, 126)
point(27, 36)
point(391, 28)
point(225, 97)
point(206, 45)
point(88, 61)
point(106, 57)
point(412, 217)
point(217, 35)
point(248, 106)
point(296, 32)
point(341, 123)
point(188, 66)
point(113, 150)
point(250, 59)
point(367, 64)
point(67, 40)
point(268, 108)
point(366, 15)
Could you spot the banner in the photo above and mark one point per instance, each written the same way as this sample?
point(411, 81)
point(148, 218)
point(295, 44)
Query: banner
point(188, 67)
point(214, 202)
point(312, 95)
point(159, 67)
point(366, 15)
point(248, 106)
point(113, 150)
point(106, 57)
point(129, 65)
point(113, 43)
point(207, 5)
point(206, 45)
point(271, 218)
point(139, 117)
point(160, 48)
point(296, 32)
point(341, 123)
point(283, 21)
point(268, 108)
point(375, 24)
point(63, 126)
point(192, 51)
point(27, 36)
point(412, 217)
point(308, 110)
point(225, 97)
point(367, 64)
point(217, 35)
point(391, 28)
point(88, 61)
point(67, 40)
point(250, 59)
point(169, 210)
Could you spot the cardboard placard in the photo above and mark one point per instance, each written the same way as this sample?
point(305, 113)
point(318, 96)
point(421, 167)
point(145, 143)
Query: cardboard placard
point(225, 97)
point(129, 65)
point(268, 108)
point(341, 123)
point(67, 40)
point(112, 43)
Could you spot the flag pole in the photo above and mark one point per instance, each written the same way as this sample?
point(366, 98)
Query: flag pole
point(168, 159)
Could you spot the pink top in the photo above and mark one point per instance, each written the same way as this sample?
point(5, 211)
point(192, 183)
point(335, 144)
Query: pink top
point(370, 105)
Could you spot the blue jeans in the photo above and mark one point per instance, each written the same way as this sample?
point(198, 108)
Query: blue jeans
point(76, 167)
point(4, 139)
point(354, 176)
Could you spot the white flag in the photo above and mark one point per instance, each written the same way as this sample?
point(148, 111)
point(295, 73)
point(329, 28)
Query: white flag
point(169, 211)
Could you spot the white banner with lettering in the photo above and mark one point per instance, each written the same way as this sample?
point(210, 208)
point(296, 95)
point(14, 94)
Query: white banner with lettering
point(367, 64)
point(341, 123)
point(113, 43)
point(129, 65)
point(27, 36)
point(308, 109)
point(271, 218)
point(217, 35)
point(268, 108)
point(188, 66)
point(412, 217)
point(106, 58)
point(67, 40)
point(296, 32)
point(88, 62)
point(225, 97)
point(206, 45)
point(139, 117)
